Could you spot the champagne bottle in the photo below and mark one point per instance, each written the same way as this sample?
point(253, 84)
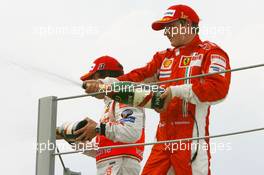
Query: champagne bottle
point(137, 95)
point(66, 130)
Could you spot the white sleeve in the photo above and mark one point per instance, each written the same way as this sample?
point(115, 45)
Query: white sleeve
point(128, 128)
point(185, 92)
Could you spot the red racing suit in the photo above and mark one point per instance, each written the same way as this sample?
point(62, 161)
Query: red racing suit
point(187, 116)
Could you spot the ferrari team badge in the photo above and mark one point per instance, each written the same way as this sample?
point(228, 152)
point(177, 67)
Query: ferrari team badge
point(185, 61)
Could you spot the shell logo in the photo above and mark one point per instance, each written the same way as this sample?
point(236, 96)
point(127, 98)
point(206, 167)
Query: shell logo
point(166, 19)
point(167, 63)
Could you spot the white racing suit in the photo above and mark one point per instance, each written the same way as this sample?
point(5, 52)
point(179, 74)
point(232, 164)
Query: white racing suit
point(120, 124)
point(119, 166)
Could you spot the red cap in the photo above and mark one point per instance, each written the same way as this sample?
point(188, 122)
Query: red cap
point(174, 13)
point(103, 63)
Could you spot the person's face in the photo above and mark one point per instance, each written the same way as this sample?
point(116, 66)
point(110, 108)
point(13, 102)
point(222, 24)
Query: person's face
point(96, 76)
point(177, 32)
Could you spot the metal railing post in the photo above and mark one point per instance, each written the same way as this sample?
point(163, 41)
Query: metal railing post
point(46, 141)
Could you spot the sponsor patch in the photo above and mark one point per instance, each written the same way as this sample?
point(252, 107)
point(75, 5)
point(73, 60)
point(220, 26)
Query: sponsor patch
point(183, 16)
point(91, 67)
point(109, 170)
point(167, 63)
point(131, 119)
point(170, 13)
point(101, 66)
point(112, 163)
point(126, 113)
point(164, 74)
point(185, 61)
point(197, 60)
point(165, 71)
point(216, 68)
point(218, 60)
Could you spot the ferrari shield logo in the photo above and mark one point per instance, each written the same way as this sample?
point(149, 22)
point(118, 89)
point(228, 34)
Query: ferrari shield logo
point(185, 61)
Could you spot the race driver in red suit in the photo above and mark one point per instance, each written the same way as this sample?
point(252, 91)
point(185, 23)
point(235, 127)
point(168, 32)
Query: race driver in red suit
point(186, 111)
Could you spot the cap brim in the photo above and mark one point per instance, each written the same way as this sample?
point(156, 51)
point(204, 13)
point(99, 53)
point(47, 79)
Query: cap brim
point(86, 76)
point(160, 24)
